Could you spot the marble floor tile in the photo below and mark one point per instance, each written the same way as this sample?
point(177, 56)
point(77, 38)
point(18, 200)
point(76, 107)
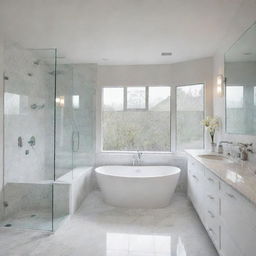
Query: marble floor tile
point(97, 229)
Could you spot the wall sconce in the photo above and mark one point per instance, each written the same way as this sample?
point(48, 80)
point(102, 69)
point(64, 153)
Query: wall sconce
point(220, 85)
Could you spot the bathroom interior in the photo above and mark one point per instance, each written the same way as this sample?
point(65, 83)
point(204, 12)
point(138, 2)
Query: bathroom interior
point(128, 128)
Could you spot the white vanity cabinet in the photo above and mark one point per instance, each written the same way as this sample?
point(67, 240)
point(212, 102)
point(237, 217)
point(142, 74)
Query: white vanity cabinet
point(238, 220)
point(195, 185)
point(212, 207)
point(228, 217)
point(203, 191)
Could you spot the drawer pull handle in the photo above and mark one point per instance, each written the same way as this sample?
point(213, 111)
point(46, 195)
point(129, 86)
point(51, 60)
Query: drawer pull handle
point(194, 176)
point(210, 179)
point(211, 214)
point(230, 195)
point(211, 197)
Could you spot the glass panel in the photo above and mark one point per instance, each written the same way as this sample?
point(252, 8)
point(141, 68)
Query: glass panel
point(136, 97)
point(64, 125)
point(135, 129)
point(29, 138)
point(84, 91)
point(190, 112)
point(235, 96)
point(63, 143)
point(159, 99)
point(237, 111)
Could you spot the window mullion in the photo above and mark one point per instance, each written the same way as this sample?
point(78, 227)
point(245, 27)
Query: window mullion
point(125, 98)
point(146, 97)
point(173, 114)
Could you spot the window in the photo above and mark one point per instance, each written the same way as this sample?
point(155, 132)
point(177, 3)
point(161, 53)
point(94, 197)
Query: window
point(136, 118)
point(139, 118)
point(190, 112)
point(136, 98)
point(235, 96)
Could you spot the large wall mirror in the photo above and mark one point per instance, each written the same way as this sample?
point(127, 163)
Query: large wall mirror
point(240, 87)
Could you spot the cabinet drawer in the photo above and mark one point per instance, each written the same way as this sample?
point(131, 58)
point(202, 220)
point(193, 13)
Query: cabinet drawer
point(212, 227)
point(239, 218)
point(195, 167)
point(228, 246)
point(212, 182)
point(212, 203)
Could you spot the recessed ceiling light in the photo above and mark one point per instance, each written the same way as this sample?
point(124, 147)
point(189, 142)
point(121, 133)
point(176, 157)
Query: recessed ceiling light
point(166, 53)
point(247, 53)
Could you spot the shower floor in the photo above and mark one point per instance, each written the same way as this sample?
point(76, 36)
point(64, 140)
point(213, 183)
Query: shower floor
point(41, 220)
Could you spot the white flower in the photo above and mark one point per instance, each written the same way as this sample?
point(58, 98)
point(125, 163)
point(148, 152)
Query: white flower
point(211, 123)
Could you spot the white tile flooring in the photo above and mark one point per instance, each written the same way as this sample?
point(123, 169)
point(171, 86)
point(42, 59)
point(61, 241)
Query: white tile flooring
point(101, 230)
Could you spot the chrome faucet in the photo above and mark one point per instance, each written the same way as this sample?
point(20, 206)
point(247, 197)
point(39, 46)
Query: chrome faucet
point(32, 141)
point(137, 159)
point(244, 148)
point(220, 147)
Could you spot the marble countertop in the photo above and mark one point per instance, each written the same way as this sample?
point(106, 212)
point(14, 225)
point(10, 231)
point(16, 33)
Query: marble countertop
point(239, 175)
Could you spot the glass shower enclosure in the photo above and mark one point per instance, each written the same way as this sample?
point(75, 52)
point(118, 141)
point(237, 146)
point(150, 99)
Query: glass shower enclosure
point(39, 139)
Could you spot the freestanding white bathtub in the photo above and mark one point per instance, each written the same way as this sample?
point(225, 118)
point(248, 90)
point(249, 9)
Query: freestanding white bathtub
point(137, 186)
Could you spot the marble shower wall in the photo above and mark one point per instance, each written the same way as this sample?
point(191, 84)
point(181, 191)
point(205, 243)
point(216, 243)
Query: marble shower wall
point(28, 83)
point(1, 126)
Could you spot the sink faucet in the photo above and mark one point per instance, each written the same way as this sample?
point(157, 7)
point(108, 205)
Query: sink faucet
point(137, 159)
point(244, 148)
point(220, 147)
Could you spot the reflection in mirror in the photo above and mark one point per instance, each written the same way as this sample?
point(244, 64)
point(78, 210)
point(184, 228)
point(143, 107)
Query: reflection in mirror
point(240, 73)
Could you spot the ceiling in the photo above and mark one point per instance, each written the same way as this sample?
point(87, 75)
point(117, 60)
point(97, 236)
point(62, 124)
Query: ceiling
point(244, 49)
point(120, 31)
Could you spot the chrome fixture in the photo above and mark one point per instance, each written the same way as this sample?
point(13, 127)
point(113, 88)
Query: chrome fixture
point(220, 147)
point(36, 62)
point(244, 149)
point(57, 72)
point(32, 141)
point(166, 53)
point(137, 159)
point(38, 107)
point(20, 143)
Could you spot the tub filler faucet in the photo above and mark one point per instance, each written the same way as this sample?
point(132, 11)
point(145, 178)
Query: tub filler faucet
point(137, 159)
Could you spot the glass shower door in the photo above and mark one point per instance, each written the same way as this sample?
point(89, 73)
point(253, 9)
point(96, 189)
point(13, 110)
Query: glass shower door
point(63, 144)
point(29, 102)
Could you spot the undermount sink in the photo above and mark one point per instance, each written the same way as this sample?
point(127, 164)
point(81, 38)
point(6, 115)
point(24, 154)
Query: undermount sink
point(213, 157)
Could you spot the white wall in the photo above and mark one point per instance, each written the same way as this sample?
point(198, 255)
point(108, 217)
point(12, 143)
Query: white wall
point(245, 17)
point(190, 72)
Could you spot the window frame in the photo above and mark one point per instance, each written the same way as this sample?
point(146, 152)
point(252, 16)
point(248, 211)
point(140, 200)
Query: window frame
point(173, 115)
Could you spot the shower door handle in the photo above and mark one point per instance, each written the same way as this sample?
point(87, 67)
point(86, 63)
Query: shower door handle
point(75, 141)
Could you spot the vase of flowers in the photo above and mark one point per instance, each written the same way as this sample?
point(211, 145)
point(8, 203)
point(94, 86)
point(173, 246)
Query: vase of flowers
point(211, 124)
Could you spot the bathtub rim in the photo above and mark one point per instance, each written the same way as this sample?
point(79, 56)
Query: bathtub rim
point(176, 171)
